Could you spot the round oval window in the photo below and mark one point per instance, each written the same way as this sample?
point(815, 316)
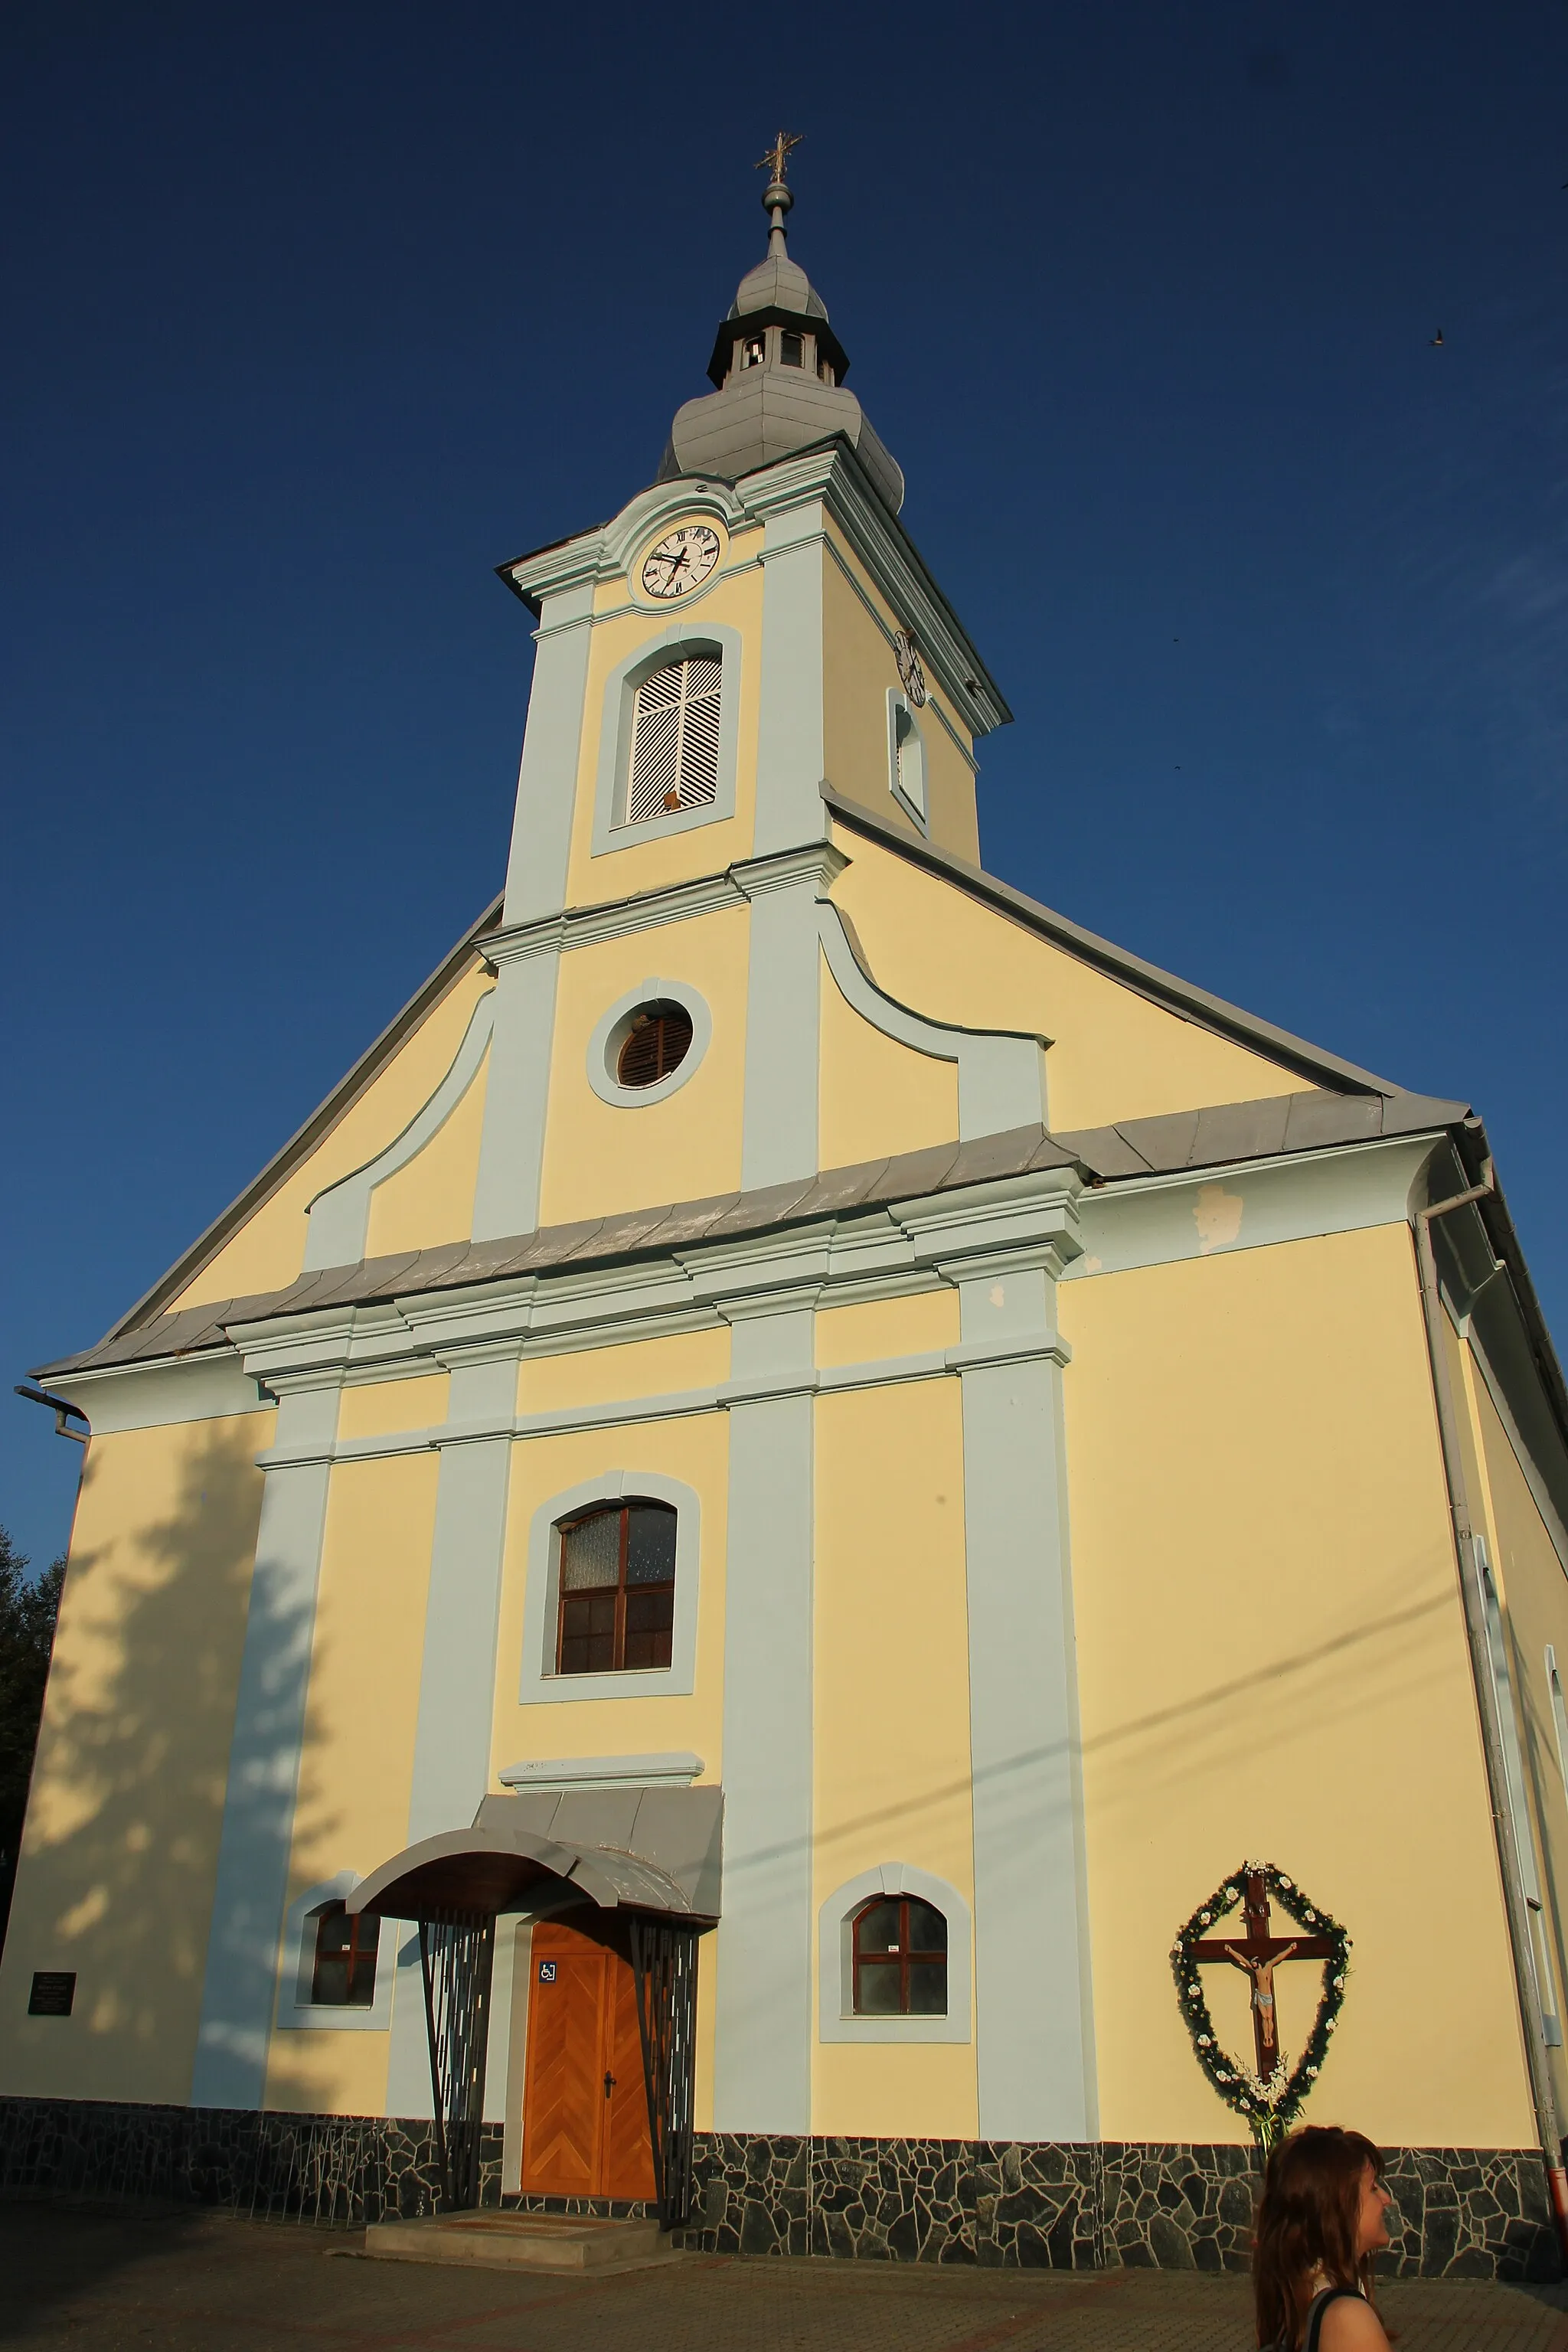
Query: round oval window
point(655, 1042)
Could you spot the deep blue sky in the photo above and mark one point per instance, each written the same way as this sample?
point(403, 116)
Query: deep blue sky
point(315, 314)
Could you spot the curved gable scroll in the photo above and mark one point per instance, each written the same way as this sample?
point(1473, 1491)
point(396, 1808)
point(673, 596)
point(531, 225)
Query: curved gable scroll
point(338, 1220)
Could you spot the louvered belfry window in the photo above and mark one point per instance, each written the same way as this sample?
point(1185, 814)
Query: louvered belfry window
point(675, 738)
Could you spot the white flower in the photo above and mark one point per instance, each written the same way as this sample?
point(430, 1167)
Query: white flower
point(1202, 1918)
point(1311, 2069)
point(1205, 2041)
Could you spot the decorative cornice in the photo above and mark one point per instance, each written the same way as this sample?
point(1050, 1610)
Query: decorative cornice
point(673, 1767)
point(818, 863)
point(587, 926)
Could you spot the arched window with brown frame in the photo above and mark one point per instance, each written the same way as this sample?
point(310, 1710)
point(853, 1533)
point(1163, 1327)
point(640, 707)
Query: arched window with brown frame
point(616, 1607)
point(899, 1953)
point(342, 1973)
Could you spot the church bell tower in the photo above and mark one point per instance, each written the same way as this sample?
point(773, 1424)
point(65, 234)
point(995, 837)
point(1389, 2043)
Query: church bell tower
point(750, 638)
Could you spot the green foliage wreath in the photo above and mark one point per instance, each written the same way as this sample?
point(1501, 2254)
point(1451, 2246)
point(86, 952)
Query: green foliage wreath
point(1270, 2107)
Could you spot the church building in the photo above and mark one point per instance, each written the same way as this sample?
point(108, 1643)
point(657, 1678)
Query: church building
point(824, 1556)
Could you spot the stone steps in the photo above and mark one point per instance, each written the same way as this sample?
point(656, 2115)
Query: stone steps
point(553, 2243)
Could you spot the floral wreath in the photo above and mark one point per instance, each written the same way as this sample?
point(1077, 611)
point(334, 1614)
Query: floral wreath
point(1270, 2106)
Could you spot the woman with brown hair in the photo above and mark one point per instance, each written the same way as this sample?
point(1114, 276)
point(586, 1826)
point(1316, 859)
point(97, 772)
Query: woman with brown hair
point(1323, 2216)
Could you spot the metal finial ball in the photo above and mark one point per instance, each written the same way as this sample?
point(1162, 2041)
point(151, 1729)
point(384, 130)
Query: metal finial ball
point(777, 196)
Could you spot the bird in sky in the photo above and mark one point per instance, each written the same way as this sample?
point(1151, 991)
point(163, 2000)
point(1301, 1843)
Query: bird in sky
point(1438, 341)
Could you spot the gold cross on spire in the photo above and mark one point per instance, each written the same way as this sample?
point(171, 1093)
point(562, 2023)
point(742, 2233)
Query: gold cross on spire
point(776, 160)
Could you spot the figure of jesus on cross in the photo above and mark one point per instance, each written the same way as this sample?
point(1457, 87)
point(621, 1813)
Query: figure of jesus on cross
point(1260, 1954)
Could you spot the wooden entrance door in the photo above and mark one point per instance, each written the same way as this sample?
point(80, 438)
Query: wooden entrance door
point(584, 2110)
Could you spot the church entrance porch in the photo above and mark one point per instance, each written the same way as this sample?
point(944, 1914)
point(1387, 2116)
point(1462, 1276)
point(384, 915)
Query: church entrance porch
point(627, 1881)
point(585, 2111)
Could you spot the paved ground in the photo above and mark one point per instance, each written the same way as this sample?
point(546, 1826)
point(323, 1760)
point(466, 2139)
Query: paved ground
point(118, 2281)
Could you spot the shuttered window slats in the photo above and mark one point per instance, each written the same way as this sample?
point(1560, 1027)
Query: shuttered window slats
point(675, 738)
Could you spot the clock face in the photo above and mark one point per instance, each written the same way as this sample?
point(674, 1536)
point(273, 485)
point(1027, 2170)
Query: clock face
point(681, 561)
point(909, 669)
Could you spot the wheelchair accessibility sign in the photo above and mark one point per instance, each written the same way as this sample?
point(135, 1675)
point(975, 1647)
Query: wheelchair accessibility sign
point(547, 1972)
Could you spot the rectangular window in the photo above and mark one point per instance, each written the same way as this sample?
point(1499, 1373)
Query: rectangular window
point(792, 348)
point(617, 1591)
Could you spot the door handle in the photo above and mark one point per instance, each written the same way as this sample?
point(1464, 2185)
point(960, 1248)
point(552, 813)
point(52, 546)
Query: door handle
point(609, 2083)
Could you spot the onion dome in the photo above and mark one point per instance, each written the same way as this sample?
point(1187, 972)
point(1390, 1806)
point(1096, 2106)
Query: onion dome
point(779, 372)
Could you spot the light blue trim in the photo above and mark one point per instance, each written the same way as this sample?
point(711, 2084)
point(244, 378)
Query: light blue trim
point(790, 721)
point(1000, 1073)
point(612, 830)
point(458, 1669)
point(836, 2017)
point(517, 1097)
point(762, 2046)
point(338, 1220)
point(1520, 1824)
point(907, 768)
point(1035, 2058)
point(540, 1684)
point(251, 1884)
point(779, 1119)
point(296, 2013)
point(612, 1028)
point(547, 779)
point(674, 1767)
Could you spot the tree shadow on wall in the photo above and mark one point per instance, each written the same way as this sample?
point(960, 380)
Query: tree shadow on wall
point(117, 1874)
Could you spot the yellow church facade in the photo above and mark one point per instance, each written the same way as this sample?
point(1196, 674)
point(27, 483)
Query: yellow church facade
point(802, 1461)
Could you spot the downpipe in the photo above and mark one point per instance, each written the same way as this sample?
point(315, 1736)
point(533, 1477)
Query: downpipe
point(1472, 1593)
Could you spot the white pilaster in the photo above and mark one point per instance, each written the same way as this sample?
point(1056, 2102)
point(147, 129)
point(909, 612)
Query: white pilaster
point(512, 1144)
point(552, 748)
point(458, 1670)
point(762, 2055)
point(779, 1123)
point(1004, 1247)
point(790, 722)
point(250, 1894)
point(511, 1147)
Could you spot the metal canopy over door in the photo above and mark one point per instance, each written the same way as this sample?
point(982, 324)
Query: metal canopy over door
point(585, 2104)
point(643, 1868)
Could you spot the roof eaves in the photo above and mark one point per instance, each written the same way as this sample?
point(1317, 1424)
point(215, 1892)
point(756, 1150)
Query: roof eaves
point(1215, 1135)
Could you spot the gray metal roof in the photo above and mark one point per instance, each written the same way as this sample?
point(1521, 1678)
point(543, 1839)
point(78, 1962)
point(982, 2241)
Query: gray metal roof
point(1214, 1136)
point(634, 1849)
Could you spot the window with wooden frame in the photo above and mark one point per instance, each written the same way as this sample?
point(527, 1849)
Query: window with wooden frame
point(675, 738)
point(617, 1609)
point(343, 1974)
point(898, 1950)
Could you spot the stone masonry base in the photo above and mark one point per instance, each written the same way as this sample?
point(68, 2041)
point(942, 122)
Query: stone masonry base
point(1108, 2204)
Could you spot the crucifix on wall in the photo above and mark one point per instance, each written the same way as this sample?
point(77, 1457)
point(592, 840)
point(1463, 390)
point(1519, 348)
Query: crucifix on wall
point(1259, 1953)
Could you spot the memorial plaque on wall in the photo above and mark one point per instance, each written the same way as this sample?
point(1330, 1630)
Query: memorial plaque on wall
point(53, 1990)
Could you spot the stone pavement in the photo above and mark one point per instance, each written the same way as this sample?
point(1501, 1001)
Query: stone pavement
point(127, 2280)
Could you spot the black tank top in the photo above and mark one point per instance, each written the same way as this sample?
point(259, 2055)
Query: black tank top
point(1315, 2314)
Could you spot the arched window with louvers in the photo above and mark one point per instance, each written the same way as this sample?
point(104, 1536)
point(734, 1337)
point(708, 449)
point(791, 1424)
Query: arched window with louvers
point(674, 761)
